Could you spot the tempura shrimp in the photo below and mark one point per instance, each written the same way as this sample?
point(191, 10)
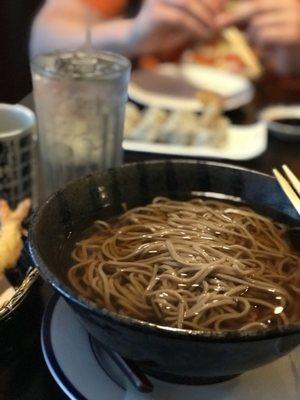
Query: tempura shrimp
point(11, 232)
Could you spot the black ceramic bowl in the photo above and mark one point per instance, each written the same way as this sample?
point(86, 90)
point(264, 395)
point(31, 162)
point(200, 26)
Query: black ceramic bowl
point(169, 353)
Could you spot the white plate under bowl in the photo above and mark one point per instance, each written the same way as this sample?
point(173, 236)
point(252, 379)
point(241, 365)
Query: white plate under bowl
point(244, 142)
point(282, 130)
point(69, 356)
point(237, 89)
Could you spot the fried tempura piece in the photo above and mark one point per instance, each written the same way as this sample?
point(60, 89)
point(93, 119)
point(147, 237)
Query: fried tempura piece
point(11, 232)
point(213, 107)
point(213, 126)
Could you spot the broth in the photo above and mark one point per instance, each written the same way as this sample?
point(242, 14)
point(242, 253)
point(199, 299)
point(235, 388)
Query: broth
point(198, 264)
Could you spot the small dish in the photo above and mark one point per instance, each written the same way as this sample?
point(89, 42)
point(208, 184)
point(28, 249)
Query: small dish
point(283, 121)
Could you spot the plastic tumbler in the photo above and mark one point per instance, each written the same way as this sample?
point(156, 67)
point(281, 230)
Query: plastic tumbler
point(80, 102)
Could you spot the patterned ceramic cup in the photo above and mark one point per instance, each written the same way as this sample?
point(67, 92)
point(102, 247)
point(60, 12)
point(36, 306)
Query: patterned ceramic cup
point(17, 140)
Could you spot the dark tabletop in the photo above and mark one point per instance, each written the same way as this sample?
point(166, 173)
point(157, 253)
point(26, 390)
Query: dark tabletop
point(26, 377)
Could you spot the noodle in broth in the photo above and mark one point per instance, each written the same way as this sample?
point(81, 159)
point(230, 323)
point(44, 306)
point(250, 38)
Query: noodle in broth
point(198, 264)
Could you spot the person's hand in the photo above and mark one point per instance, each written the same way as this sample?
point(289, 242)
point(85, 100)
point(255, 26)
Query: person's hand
point(268, 22)
point(163, 25)
point(272, 27)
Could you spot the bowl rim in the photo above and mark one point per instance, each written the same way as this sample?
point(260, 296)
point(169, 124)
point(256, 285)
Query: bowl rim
point(147, 327)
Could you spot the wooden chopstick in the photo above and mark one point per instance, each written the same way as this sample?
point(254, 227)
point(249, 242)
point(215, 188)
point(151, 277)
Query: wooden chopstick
point(288, 190)
point(292, 178)
point(241, 46)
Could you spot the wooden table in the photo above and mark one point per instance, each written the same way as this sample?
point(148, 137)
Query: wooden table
point(27, 378)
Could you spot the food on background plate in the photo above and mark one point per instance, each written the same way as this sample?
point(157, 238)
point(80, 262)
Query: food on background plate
point(212, 124)
point(132, 118)
point(11, 231)
point(230, 52)
point(149, 125)
point(199, 264)
point(185, 128)
point(180, 128)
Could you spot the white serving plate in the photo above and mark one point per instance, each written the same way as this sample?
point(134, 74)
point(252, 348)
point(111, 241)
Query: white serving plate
point(73, 365)
point(237, 89)
point(243, 143)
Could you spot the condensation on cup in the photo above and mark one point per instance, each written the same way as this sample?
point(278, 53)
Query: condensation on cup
point(80, 100)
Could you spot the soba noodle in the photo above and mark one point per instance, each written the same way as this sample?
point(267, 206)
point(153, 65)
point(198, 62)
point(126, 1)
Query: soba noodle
point(198, 264)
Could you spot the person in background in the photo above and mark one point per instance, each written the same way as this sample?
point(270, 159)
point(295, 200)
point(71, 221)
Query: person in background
point(272, 27)
point(160, 26)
